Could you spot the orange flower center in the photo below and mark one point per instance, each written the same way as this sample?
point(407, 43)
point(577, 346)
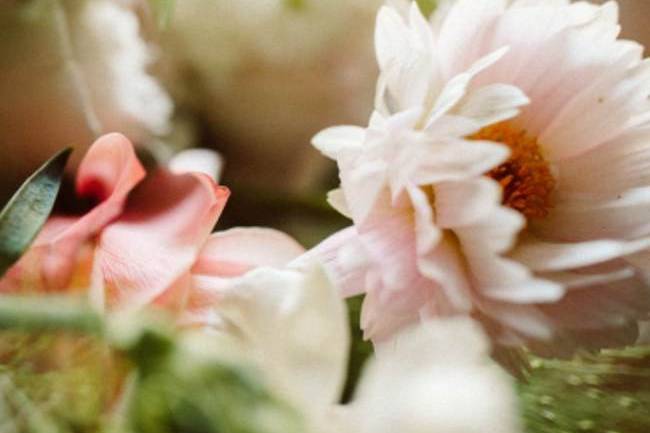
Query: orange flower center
point(525, 177)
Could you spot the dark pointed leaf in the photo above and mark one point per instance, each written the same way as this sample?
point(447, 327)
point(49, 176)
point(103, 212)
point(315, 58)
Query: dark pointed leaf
point(23, 217)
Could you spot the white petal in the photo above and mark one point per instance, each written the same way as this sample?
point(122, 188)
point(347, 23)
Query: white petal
point(599, 114)
point(204, 161)
point(445, 266)
point(333, 141)
point(502, 279)
point(497, 231)
point(455, 160)
point(492, 104)
point(295, 325)
point(404, 53)
point(420, 380)
point(573, 280)
point(362, 186)
point(345, 260)
point(427, 234)
point(456, 88)
point(237, 250)
point(464, 203)
point(547, 257)
point(336, 199)
point(461, 34)
point(524, 319)
point(581, 219)
point(609, 169)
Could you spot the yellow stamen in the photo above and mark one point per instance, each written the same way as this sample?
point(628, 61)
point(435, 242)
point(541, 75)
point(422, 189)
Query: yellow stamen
point(525, 177)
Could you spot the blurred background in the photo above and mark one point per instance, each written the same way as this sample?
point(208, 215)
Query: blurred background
point(252, 79)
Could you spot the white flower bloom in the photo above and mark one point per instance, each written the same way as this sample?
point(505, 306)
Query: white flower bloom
point(121, 80)
point(501, 174)
point(269, 75)
point(292, 324)
point(71, 70)
point(441, 379)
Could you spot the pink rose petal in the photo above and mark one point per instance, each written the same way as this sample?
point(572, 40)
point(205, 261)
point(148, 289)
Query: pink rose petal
point(158, 238)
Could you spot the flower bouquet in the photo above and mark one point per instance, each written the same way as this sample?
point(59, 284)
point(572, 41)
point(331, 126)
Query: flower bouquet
point(481, 265)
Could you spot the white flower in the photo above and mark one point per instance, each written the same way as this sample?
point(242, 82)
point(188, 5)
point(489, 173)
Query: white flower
point(440, 378)
point(271, 75)
point(292, 324)
point(501, 173)
point(115, 64)
point(70, 71)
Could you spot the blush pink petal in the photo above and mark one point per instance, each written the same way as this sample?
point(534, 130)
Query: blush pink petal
point(158, 238)
point(108, 172)
point(236, 251)
point(229, 254)
point(345, 260)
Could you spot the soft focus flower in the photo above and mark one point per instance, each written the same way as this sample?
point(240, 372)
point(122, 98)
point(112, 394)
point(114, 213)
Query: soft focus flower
point(148, 239)
point(292, 325)
point(71, 70)
point(501, 175)
point(268, 74)
point(142, 235)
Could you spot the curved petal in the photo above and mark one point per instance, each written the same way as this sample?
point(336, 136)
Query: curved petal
point(548, 257)
point(158, 238)
point(197, 160)
point(108, 173)
point(622, 217)
point(420, 378)
point(236, 251)
point(294, 324)
point(345, 260)
point(332, 142)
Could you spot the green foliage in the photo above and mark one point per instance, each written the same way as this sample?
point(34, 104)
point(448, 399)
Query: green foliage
point(191, 389)
point(211, 397)
point(162, 10)
point(55, 382)
point(427, 6)
point(360, 349)
point(23, 217)
point(295, 4)
point(52, 383)
point(48, 313)
point(606, 393)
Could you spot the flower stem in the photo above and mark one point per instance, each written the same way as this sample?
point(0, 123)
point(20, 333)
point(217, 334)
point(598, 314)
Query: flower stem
point(74, 71)
point(48, 314)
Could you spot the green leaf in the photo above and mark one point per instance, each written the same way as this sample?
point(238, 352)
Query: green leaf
point(427, 6)
point(162, 10)
point(604, 392)
point(295, 4)
point(23, 217)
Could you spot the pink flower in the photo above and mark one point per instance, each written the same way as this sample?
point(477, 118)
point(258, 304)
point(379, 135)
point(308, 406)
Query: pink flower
point(501, 174)
point(147, 241)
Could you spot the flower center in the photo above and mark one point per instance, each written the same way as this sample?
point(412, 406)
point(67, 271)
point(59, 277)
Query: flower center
point(525, 177)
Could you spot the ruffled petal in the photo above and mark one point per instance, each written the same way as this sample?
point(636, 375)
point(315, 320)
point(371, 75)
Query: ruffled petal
point(619, 165)
point(345, 260)
point(197, 160)
point(332, 142)
point(405, 55)
point(108, 173)
point(158, 238)
point(293, 324)
point(548, 257)
point(586, 218)
point(239, 250)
